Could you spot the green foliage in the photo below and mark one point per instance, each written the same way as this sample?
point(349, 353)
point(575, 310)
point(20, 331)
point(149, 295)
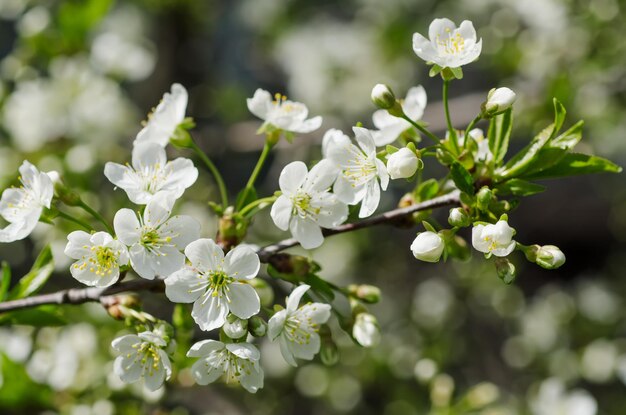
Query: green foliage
point(39, 273)
point(499, 134)
point(462, 178)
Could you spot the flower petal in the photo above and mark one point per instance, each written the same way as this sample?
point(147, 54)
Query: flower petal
point(242, 263)
point(204, 348)
point(276, 324)
point(181, 229)
point(205, 254)
point(243, 300)
point(292, 177)
point(184, 286)
point(294, 298)
point(158, 209)
point(306, 232)
point(210, 312)
point(147, 154)
point(127, 226)
point(371, 199)
point(281, 212)
point(364, 138)
point(321, 176)
point(260, 103)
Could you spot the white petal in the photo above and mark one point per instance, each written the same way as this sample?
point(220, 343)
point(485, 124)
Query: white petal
point(371, 199)
point(286, 351)
point(78, 244)
point(383, 174)
point(125, 343)
point(148, 154)
point(155, 376)
point(281, 212)
point(308, 126)
point(242, 263)
point(346, 192)
point(321, 176)
point(127, 226)
point(318, 313)
point(158, 209)
point(260, 103)
point(415, 102)
point(440, 27)
point(141, 261)
point(127, 370)
point(252, 379)
point(276, 324)
point(424, 48)
point(307, 350)
point(182, 229)
point(334, 213)
point(306, 232)
point(205, 254)
point(210, 312)
point(364, 138)
point(243, 300)
point(333, 137)
point(477, 239)
point(292, 177)
point(244, 351)
point(181, 174)
point(204, 348)
point(205, 373)
point(294, 298)
point(183, 286)
point(170, 261)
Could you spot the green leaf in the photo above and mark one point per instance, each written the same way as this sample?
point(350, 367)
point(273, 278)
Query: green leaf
point(462, 178)
point(522, 160)
point(250, 197)
point(499, 134)
point(559, 115)
point(569, 138)
point(321, 287)
point(6, 280)
point(518, 187)
point(36, 278)
point(42, 316)
point(576, 164)
point(427, 190)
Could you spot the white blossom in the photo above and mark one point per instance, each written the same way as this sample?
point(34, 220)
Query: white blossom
point(22, 207)
point(360, 173)
point(365, 330)
point(550, 257)
point(448, 46)
point(282, 113)
point(306, 204)
point(333, 137)
point(98, 256)
point(428, 246)
point(165, 118)
point(494, 239)
point(296, 328)
point(216, 284)
point(151, 173)
point(155, 240)
point(499, 100)
point(553, 399)
point(237, 362)
point(142, 356)
point(383, 96)
point(391, 127)
point(402, 164)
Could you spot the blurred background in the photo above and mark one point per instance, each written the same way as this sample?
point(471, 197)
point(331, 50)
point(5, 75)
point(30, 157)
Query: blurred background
point(77, 77)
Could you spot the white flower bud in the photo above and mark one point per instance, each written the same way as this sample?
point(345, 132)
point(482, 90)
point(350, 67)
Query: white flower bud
point(402, 164)
point(499, 100)
point(383, 97)
point(458, 217)
point(235, 328)
point(365, 330)
point(428, 246)
point(550, 257)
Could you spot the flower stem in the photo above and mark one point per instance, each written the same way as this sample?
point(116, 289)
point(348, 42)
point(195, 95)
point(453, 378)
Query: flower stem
point(469, 128)
point(214, 171)
point(84, 206)
point(250, 206)
point(451, 132)
point(255, 173)
point(79, 222)
point(422, 129)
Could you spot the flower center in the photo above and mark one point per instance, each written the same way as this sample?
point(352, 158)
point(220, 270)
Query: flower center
point(302, 205)
point(298, 329)
point(153, 177)
point(218, 283)
point(453, 44)
point(360, 170)
point(101, 262)
point(150, 357)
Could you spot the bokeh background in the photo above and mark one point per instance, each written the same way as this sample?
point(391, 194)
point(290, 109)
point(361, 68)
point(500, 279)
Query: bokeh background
point(77, 77)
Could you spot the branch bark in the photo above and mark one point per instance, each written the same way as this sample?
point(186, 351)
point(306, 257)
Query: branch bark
point(83, 295)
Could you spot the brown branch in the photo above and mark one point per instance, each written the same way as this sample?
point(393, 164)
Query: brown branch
point(83, 295)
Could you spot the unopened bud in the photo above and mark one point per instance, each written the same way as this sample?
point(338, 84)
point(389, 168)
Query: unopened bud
point(506, 270)
point(402, 164)
point(483, 198)
point(181, 137)
point(365, 330)
point(257, 326)
point(383, 97)
point(458, 217)
point(498, 100)
point(329, 353)
point(550, 257)
point(235, 328)
point(428, 246)
point(366, 293)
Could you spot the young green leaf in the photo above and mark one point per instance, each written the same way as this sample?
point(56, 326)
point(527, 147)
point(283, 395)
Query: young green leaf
point(37, 276)
point(522, 160)
point(462, 178)
point(518, 187)
point(575, 164)
point(559, 115)
point(251, 196)
point(6, 280)
point(427, 190)
point(499, 134)
point(43, 316)
point(569, 138)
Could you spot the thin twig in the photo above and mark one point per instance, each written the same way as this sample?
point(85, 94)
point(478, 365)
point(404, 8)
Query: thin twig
point(83, 295)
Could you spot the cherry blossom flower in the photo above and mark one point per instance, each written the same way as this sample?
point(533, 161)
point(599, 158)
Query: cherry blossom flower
point(296, 328)
point(237, 362)
point(22, 207)
point(155, 240)
point(216, 284)
point(448, 46)
point(365, 330)
point(428, 246)
point(499, 100)
point(143, 356)
point(391, 127)
point(360, 173)
point(306, 204)
point(402, 164)
point(165, 118)
point(494, 239)
point(99, 258)
point(151, 173)
point(281, 113)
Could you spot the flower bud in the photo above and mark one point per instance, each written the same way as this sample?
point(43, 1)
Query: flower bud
point(499, 100)
point(402, 164)
point(550, 257)
point(428, 246)
point(365, 292)
point(257, 326)
point(235, 328)
point(458, 217)
point(365, 330)
point(484, 197)
point(329, 353)
point(383, 97)
point(506, 270)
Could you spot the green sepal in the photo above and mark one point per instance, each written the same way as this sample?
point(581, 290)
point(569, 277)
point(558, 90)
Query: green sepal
point(37, 276)
point(428, 227)
point(434, 70)
point(391, 149)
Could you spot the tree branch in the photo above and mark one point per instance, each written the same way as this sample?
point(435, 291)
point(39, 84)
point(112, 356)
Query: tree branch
point(83, 295)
